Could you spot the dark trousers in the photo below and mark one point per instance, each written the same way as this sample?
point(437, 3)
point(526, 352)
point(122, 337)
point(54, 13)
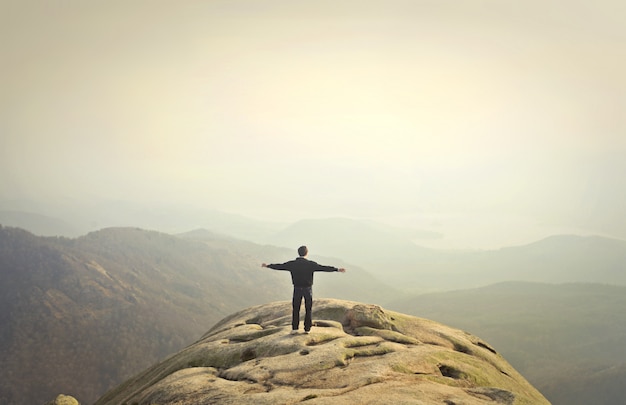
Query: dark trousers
point(298, 294)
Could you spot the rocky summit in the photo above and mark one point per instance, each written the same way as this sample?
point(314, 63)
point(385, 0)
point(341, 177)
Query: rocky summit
point(355, 354)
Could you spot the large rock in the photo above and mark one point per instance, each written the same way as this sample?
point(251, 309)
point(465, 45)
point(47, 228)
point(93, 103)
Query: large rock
point(63, 400)
point(355, 354)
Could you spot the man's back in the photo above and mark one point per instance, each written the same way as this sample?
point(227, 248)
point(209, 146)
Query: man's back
point(302, 270)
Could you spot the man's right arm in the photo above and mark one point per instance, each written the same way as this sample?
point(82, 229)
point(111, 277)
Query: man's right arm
point(275, 266)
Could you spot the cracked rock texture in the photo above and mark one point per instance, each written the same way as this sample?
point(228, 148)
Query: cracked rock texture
point(355, 354)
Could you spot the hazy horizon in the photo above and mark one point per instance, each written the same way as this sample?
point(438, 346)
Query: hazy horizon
point(493, 123)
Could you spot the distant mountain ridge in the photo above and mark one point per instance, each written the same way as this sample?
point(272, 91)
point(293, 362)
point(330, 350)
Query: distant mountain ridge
point(569, 258)
point(73, 219)
point(391, 253)
point(343, 237)
point(79, 315)
point(38, 224)
point(393, 256)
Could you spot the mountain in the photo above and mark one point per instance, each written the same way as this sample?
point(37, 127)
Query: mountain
point(561, 258)
point(567, 339)
point(75, 218)
point(38, 224)
point(389, 253)
point(365, 242)
point(395, 257)
point(80, 315)
point(355, 284)
point(355, 354)
point(556, 259)
point(68, 303)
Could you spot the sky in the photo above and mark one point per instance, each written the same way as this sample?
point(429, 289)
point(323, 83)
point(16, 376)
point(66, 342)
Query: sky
point(490, 121)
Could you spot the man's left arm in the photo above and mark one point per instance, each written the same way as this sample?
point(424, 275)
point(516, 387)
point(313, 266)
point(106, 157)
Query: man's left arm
point(329, 268)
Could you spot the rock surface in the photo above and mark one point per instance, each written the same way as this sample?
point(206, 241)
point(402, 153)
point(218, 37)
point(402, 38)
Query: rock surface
point(355, 354)
point(63, 400)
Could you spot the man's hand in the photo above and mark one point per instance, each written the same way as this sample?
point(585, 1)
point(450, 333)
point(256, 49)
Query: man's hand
point(264, 265)
point(342, 270)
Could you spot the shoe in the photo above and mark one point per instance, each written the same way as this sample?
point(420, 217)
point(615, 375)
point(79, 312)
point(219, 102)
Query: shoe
point(307, 331)
point(294, 331)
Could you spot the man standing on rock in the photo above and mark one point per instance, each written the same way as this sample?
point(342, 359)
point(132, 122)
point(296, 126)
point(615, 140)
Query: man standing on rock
point(302, 270)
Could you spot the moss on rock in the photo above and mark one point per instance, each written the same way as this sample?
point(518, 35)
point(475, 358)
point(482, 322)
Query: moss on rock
point(357, 353)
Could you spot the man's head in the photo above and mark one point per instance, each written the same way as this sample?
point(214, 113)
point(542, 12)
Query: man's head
point(302, 251)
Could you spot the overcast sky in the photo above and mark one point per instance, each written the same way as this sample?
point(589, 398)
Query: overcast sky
point(492, 121)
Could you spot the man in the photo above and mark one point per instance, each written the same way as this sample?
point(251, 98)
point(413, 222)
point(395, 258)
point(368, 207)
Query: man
point(302, 270)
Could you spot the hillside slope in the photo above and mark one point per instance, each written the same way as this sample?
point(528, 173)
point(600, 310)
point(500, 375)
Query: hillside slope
point(80, 315)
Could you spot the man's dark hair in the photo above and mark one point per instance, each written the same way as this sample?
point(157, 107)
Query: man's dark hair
point(302, 251)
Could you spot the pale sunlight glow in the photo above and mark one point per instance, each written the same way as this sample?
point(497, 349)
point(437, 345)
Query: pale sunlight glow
point(427, 114)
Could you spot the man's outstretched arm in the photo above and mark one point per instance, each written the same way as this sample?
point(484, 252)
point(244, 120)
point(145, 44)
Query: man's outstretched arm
point(329, 268)
point(276, 266)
